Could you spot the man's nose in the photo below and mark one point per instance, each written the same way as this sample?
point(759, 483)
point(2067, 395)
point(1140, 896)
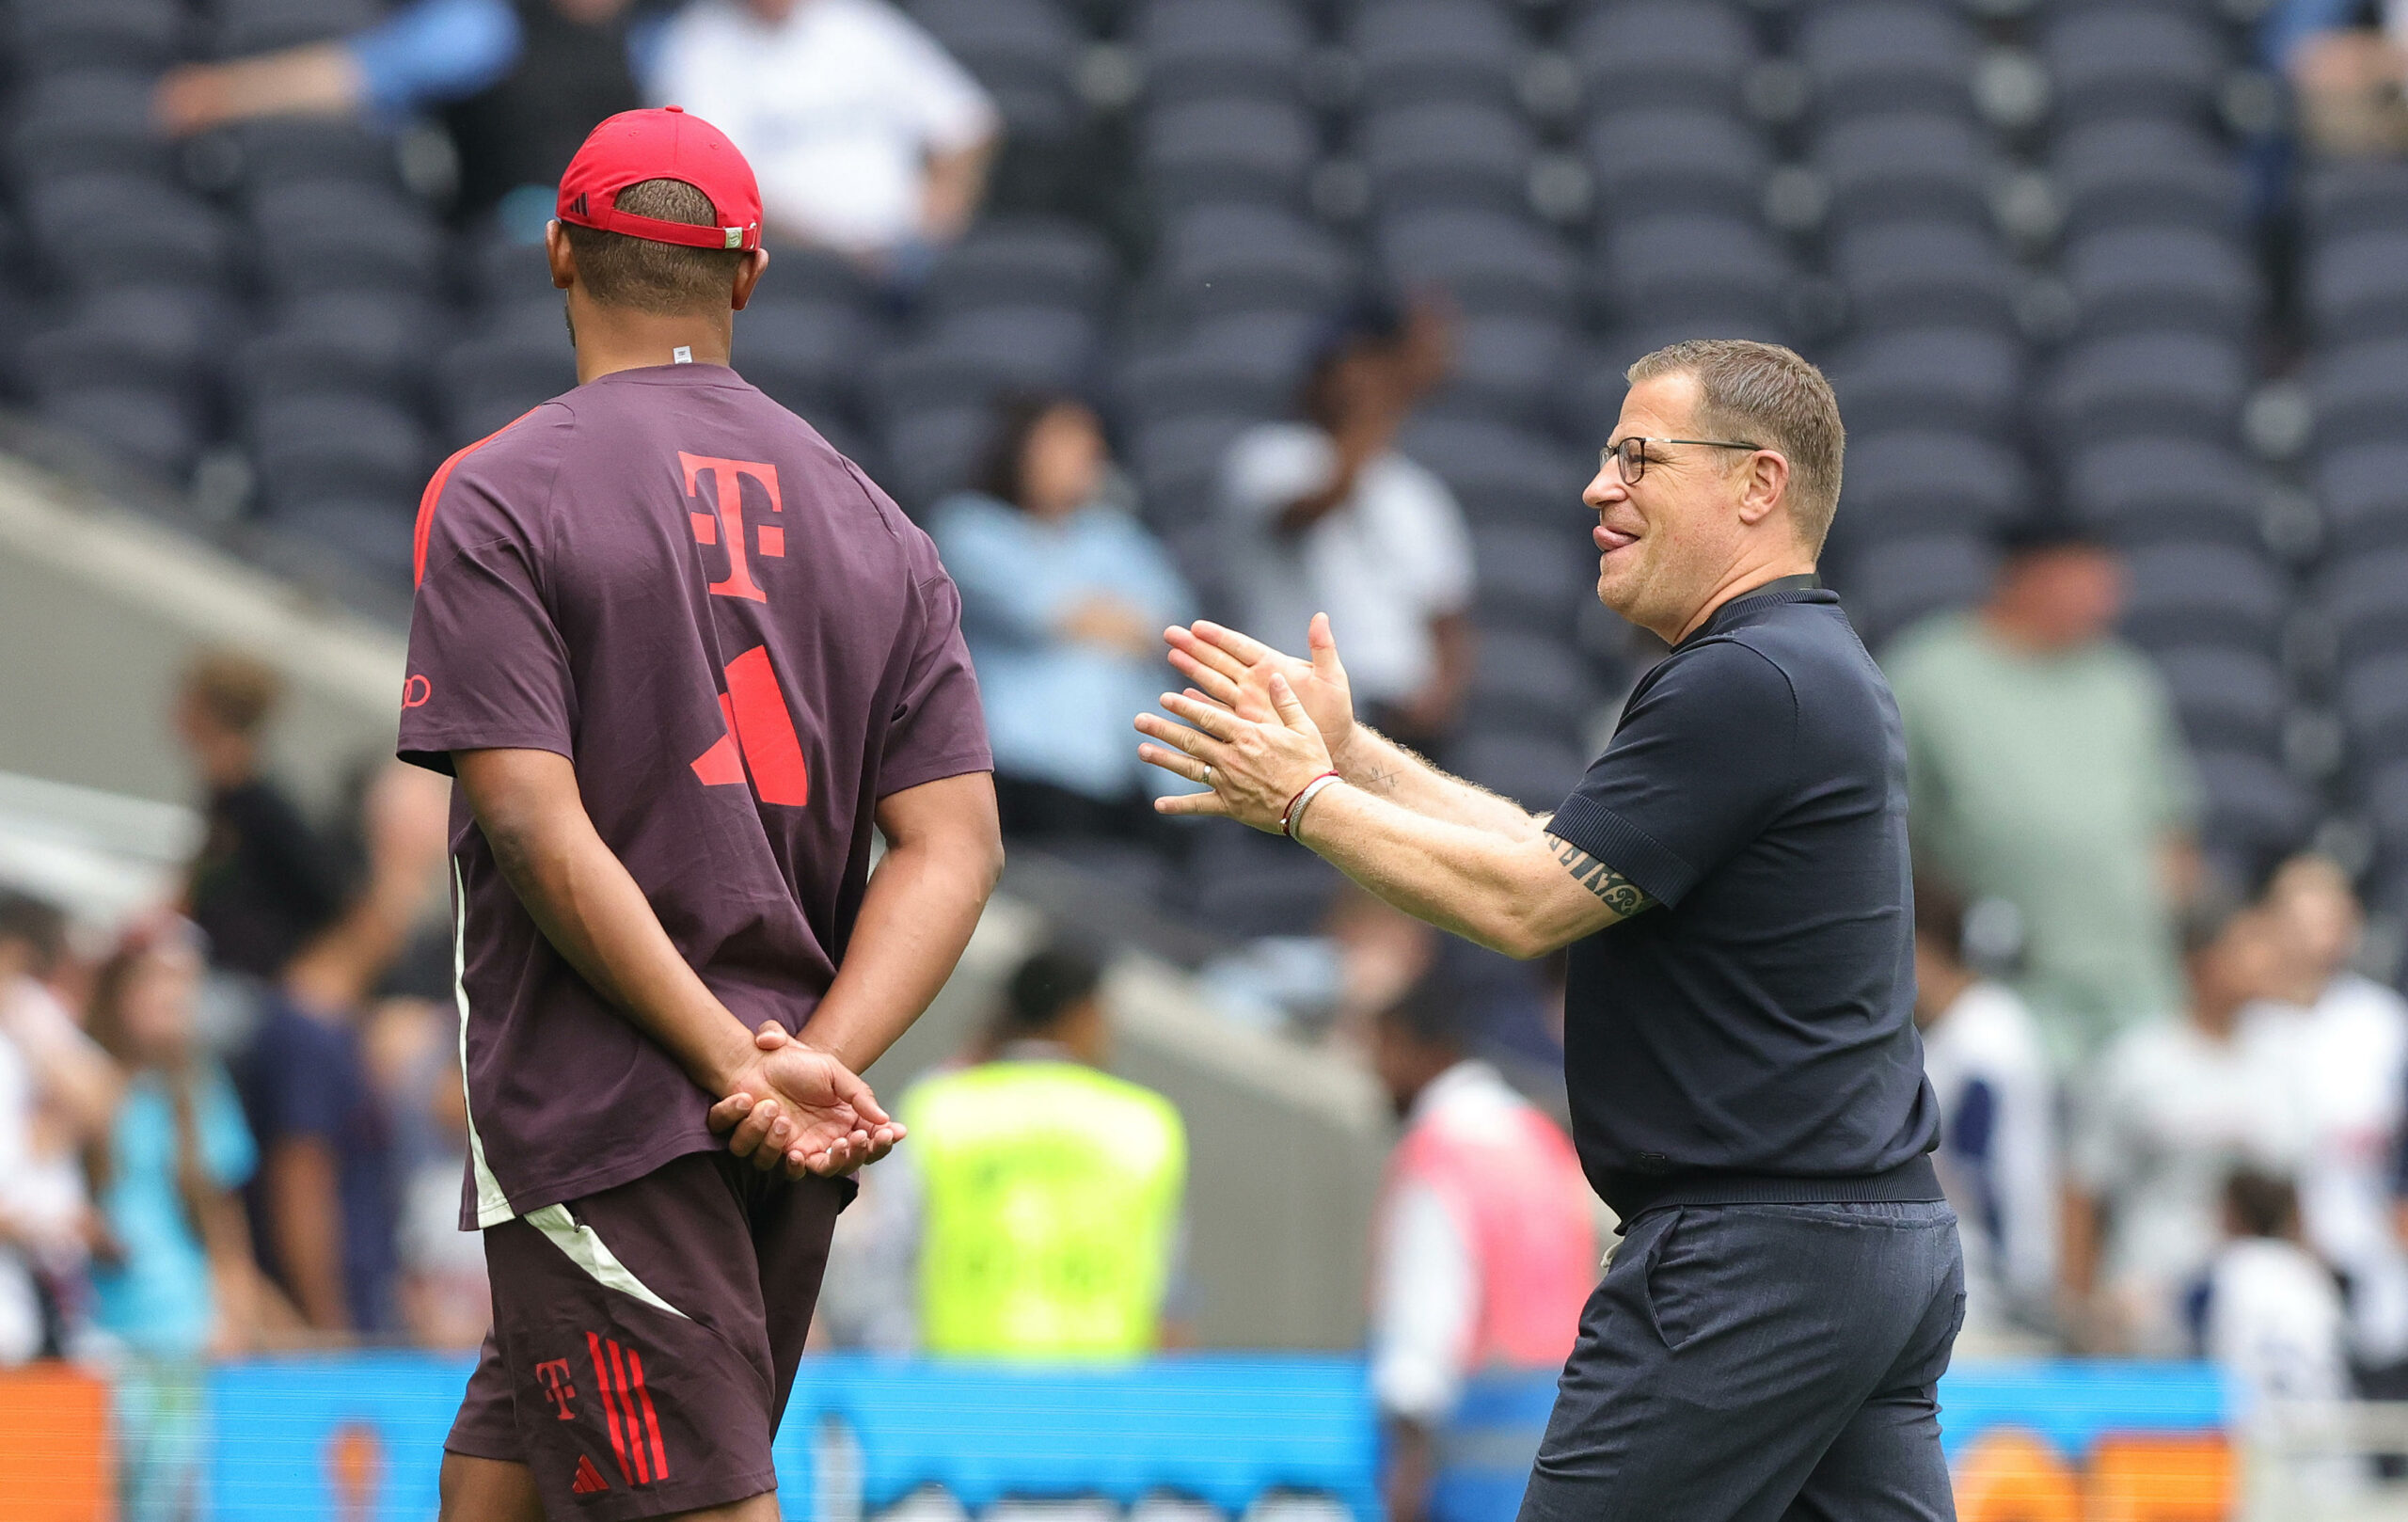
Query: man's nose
point(1605, 489)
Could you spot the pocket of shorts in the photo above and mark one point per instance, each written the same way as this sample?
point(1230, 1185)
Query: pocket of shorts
point(1664, 1310)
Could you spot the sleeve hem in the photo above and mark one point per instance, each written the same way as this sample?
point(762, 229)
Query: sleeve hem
point(1660, 872)
point(433, 752)
point(937, 769)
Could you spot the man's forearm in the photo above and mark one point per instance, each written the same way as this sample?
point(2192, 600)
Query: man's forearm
point(917, 914)
point(1385, 770)
point(1456, 875)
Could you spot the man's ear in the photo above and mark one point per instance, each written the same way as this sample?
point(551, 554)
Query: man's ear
point(560, 255)
point(1765, 487)
point(748, 278)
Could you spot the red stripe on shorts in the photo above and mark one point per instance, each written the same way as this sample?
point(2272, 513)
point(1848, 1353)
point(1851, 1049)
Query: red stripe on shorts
point(651, 1418)
point(610, 1405)
point(635, 1433)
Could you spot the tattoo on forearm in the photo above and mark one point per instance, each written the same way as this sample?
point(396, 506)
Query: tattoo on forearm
point(1616, 892)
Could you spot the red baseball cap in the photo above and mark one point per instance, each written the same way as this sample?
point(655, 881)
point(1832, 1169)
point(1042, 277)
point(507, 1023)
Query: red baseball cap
point(662, 143)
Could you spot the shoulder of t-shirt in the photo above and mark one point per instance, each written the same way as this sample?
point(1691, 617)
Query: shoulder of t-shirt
point(1731, 671)
point(1994, 1026)
point(497, 484)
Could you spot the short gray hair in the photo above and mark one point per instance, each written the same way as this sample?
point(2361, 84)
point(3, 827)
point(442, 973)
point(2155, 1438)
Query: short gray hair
point(1770, 395)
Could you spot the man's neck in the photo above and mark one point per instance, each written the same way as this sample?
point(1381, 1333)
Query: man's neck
point(1737, 584)
point(611, 338)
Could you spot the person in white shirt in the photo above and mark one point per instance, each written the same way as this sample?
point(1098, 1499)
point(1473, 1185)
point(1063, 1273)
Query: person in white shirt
point(866, 137)
point(2268, 1312)
point(1326, 515)
point(1484, 1246)
point(2344, 1038)
point(2177, 1105)
point(1983, 1054)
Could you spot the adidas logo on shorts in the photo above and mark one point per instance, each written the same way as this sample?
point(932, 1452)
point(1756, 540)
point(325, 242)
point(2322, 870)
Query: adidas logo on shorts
point(589, 1480)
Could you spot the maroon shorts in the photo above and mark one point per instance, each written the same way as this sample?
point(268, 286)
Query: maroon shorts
point(645, 1337)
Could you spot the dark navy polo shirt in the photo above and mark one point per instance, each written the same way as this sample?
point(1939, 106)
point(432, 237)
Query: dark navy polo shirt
point(1752, 1036)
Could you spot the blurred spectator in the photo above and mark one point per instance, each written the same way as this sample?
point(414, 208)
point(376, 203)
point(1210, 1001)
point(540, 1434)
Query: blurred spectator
point(1998, 1152)
point(176, 1278)
point(58, 1093)
point(2345, 66)
point(2177, 1104)
point(520, 82)
point(1485, 1244)
point(2267, 1311)
point(1036, 1207)
point(2344, 1038)
point(324, 1203)
point(264, 881)
point(1064, 599)
point(867, 138)
point(1326, 515)
point(412, 1052)
point(2047, 770)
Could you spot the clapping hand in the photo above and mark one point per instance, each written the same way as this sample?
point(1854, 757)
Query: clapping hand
point(1254, 768)
point(1234, 670)
point(798, 1106)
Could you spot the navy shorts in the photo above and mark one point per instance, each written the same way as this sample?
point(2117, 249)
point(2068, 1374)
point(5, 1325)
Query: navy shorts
point(645, 1337)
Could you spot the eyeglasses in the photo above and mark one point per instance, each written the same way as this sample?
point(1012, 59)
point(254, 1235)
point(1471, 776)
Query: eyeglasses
point(1632, 452)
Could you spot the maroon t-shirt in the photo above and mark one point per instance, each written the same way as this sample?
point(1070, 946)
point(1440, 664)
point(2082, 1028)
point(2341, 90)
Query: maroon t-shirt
point(742, 645)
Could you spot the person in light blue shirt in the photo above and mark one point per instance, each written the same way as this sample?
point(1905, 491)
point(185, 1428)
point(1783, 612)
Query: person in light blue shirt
point(1064, 599)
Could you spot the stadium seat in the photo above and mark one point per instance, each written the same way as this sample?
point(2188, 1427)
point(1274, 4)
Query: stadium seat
point(484, 381)
point(1535, 771)
point(806, 355)
point(1247, 363)
point(1923, 274)
point(1500, 473)
point(1648, 55)
point(1892, 584)
point(321, 447)
point(2366, 597)
point(1025, 52)
point(2356, 287)
point(2133, 60)
point(1447, 153)
point(1240, 258)
point(2145, 489)
point(1245, 885)
point(375, 535)
point(1917, 483)
point(240, 28)
point(373, 344)
point(1178, 464)
point(1229, 148)
point(1678, 268)
point(2228, 699)
point(1508, 366)
point(1534, 580)
point(139, 35)
point(2351, 195)
point(2186, 387)
point(1419, 50)
point(1952, 379)
point(971, 355)
point(151, 427)
point(2128, 279)
point(932, 449)
point(1921, 166)
point(104, 231)
point(1869, 57)
point(1487, 261)
point(2257, 813)
point(86, 122)
point(321, 235)
point(2361, 392)
point(276, 150)
point(2126, 172)
point(2364, 492)
point(1192, 48)
point(148, 337)
point(2203, 594)
point(1528, 685)
point(1645, 162)
point(2373, 699)
point(1016, 261)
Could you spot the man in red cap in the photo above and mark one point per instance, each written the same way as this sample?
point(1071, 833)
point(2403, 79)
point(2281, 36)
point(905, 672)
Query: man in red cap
point(680, 655)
